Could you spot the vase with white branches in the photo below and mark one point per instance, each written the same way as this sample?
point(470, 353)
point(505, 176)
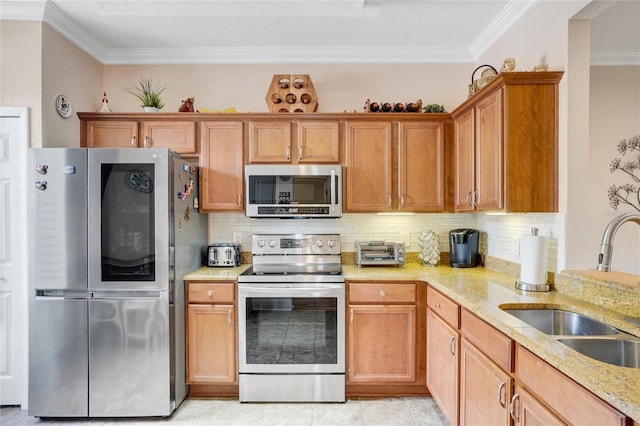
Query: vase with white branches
point(627, 193)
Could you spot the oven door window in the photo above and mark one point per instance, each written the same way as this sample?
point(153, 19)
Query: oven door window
point(301, 331)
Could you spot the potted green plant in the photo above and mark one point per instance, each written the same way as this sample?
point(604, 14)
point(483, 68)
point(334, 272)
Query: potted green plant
point(148, 94)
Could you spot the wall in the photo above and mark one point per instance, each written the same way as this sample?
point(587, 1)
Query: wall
point(21, 71)
point(36, 66)
point(614, 115)
point(73, 73)
point(339, 87)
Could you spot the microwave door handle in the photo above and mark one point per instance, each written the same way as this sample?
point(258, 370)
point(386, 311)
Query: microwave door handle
point(333, 191)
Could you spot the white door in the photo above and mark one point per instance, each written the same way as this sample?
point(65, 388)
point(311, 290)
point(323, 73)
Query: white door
point(13, 275)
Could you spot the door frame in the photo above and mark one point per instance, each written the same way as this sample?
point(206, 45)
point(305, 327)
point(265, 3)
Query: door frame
point(22, 114)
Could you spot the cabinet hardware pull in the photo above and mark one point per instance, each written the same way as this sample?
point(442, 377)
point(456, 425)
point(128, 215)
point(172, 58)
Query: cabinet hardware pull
point(512, 408)
point(300, 152)
point(402, 200)
point(286, 153)
point(239, 199)
point(145, 143)
point(389, 200)
point(210, 293)
point(382, 293)
point(469, 198)
point(500, 388)
point(133, 142)
point(229, 317)
point(451, 349)
point(437, 305)
point(351, 316)
point(475, 198)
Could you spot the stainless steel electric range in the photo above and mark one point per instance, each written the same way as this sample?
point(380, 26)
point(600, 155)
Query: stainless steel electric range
point(291, 320)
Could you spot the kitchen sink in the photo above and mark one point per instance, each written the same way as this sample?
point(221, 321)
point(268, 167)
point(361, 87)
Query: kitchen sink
point(557, 322)
point(621, 352)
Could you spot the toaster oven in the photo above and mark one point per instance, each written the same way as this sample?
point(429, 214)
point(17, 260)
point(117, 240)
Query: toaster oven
point(380, 253)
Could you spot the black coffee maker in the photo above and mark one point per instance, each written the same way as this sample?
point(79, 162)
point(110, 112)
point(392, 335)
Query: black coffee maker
point(463, 247)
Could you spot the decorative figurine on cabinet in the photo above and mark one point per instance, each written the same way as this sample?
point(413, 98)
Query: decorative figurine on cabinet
point(187, 104)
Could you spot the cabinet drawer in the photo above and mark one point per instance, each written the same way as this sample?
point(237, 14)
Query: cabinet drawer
point(211, 293)
point(553, 388)
point(445, 308)
point(493, 343)
point(382, 293)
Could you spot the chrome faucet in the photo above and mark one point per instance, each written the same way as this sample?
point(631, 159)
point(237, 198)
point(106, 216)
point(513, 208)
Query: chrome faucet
point(606, 247)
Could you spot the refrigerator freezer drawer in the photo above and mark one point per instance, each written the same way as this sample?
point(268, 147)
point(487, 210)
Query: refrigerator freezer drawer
point(129, 352)
point(58, 358)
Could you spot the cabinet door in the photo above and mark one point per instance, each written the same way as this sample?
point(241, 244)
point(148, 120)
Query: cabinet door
point(421, 167)
point(110, 134)
point(465, 161)
point(270, 142)
point(222, 166)
point(381, 344)
point(489, 148)
point(527, 411)
point(485, 390)
point(318, 142)
point(368, 167)
point(442, 365)
point(179, 136)
point(211, 344)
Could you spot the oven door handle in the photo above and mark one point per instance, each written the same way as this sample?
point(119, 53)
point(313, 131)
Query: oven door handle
point(326, 288)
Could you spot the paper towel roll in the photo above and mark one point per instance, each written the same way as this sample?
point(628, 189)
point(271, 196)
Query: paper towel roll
point(533, 259)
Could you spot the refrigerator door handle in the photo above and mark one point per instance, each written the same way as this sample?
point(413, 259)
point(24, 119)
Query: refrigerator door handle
point(120, 295)
point(45, 294)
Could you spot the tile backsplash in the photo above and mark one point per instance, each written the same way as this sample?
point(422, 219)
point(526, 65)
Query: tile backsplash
point(500, 234)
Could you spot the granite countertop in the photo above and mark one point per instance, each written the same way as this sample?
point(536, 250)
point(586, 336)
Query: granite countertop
point(483, 292)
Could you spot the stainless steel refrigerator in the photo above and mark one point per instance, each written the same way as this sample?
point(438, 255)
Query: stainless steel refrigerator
point(111, 233)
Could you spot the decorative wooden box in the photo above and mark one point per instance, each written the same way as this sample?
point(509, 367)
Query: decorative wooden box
point(291, 93)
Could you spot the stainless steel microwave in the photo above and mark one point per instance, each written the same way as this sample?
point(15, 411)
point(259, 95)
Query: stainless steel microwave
point(293, 191)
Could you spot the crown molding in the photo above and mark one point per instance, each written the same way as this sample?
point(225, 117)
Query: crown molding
point(615, 57)
point(500, 24)
point(22, 10)
point(303, 55)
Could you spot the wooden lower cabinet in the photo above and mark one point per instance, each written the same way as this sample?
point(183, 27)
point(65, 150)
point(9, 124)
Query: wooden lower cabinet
point(442, 365)
point(211, 338)
point(385, 339)
point(485, 389)
point(525, 410)
point(559, 394)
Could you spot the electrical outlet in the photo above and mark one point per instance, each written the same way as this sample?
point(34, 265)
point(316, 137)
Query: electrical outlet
point(237, 238)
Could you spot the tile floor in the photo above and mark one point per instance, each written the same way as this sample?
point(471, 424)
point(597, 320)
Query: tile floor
point(200, 411)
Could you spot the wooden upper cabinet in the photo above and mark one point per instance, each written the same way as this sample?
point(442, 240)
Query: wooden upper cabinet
point(109, 134)
point(421, 162)
point(368, 166)
point(179, 136)
point(317, 142)
point(221, 166)
point(506, 145)
point(270, 141)
point(288, 141)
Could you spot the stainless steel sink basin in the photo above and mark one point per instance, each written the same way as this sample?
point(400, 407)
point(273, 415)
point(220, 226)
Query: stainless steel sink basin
point(557, 322)
point(621, 352)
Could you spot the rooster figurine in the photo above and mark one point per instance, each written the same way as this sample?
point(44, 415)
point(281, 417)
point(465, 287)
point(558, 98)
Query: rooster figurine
point(187, 105)
point(105, 103)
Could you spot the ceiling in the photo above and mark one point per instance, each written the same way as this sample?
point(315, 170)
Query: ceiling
point(281, 31)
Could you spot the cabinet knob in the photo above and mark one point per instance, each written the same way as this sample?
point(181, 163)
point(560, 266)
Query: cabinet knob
point(382, 293)
point(210, 293)
point(437, 305)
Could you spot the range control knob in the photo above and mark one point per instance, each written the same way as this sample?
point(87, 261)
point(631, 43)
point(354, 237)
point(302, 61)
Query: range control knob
point(260, 243)
point(272, 243)
point(331, 243)
point(320, 243)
